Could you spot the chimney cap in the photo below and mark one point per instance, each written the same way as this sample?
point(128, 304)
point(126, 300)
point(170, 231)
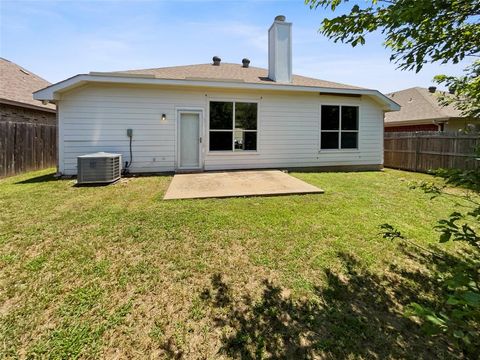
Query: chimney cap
point(216, 60)
point(245, 62)
point(280, 18)
point(432, 89)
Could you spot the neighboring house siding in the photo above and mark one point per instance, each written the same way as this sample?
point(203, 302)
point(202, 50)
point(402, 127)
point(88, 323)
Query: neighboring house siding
point(95, 118)
point(454, 125)
point(23, 114)
point(411, 128)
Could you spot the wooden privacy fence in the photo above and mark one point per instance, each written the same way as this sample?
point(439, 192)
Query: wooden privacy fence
point(26, 146)
point(424, 151)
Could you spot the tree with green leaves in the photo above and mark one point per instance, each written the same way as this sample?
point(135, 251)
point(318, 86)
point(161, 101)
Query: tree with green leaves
point(465, 90)
point(417, 32)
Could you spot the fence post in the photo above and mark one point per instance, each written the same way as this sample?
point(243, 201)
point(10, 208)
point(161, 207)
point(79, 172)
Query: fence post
point(417, 149)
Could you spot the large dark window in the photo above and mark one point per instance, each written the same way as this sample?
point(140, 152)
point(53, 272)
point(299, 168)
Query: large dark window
point(339, 127)
point(233, 126)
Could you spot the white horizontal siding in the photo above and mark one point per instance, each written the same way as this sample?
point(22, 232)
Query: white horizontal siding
point(289, 135)
point(95, 118)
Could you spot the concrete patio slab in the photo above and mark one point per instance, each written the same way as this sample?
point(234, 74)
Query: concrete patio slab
point(236, 183)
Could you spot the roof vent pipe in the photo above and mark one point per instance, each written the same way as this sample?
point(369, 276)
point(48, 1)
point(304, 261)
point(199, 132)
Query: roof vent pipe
point(432, 89)
point(245, 62)
point(216, 60)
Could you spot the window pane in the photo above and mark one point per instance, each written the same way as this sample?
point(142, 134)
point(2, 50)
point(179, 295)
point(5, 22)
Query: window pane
point(221, 115)
point(349, 140)
point(329, 140)
point(245, 140)
point(246, 116)
point(330, 117)
point(221, 140)
point(349, 118)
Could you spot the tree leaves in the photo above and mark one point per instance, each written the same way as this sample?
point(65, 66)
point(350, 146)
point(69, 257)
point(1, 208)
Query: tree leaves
point(465, 90)
point(445, 237)
point(390, 233)
point(417, 31)
point(449, 229)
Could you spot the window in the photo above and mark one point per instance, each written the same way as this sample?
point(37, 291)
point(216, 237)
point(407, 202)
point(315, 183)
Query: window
point(233, 126)
point(339, 127)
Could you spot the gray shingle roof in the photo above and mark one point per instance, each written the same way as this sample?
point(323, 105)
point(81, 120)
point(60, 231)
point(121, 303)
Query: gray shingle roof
point(17, 84)
point(231, 72)
point(418, 104)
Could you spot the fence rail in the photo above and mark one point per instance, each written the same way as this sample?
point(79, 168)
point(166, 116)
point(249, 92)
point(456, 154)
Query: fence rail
point(424, 151)
point(26, 146)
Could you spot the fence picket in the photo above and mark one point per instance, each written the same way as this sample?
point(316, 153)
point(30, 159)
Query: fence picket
point(26, 146)
point(424, 151)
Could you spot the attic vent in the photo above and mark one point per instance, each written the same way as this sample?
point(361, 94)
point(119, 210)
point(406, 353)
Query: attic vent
point(216, 60)
point(25, 72)
point(245, 62)
point(432, 89)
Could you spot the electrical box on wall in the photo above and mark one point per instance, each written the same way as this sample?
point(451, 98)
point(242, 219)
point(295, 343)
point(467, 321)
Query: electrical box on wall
point(129, 132)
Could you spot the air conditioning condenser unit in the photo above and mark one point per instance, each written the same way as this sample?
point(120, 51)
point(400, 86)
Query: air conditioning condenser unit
point(98, 168)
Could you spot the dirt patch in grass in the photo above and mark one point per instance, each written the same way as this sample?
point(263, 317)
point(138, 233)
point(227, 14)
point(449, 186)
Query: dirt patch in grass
point(356, 314)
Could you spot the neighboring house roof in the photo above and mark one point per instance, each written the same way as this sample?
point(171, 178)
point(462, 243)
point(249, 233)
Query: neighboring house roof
point(18, 84)
point(227, 76)
point(231, 72)
point(419, 106)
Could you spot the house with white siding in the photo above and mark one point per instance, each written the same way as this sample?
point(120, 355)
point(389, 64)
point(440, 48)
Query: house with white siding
point(220, 116)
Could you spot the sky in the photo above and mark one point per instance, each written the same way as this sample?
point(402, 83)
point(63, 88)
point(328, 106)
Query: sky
point(59, 39)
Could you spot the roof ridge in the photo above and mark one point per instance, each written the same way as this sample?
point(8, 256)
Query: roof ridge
point(156, 68)
point(189, 65)
point(241, 72)
point(403, 90)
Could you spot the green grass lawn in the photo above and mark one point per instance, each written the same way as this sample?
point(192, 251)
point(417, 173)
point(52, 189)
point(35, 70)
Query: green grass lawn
point(116, 272)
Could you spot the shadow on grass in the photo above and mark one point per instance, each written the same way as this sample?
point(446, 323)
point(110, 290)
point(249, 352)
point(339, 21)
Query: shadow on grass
point(51, 177)
point(39, 179)
point(356, 314)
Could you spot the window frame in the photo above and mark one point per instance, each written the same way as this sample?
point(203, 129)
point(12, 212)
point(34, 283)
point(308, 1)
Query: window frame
point(339, 131)
point(233, 151)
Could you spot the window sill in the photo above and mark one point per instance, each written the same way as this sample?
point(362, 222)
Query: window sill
point(353, 151)
point(234, 153)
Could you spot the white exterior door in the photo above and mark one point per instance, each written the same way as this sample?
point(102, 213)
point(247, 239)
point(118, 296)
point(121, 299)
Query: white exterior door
point(189, 140)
